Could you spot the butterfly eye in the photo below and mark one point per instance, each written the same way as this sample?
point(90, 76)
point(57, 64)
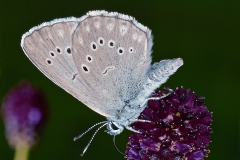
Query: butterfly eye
point(114, 127)
point(101, 41)
point(94, 46)
point(130, 50)
point(111, 43)
point(120, 51)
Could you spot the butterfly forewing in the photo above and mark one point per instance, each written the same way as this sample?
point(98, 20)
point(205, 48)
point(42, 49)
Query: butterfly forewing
point(49, 47)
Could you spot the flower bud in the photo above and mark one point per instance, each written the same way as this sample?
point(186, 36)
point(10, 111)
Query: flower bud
point(24, 110)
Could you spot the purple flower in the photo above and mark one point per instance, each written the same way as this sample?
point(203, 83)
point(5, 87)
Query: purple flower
point(24, 110)
point(179, 130)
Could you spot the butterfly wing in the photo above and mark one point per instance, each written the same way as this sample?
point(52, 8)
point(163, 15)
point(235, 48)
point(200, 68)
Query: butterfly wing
point(49, 47)
point(101, 58)
point(112, 54)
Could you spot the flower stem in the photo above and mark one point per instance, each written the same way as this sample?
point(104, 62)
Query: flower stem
point(21, 152)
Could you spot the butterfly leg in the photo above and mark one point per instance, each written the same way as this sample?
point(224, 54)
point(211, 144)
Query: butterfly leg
point(139, 120)
point(133, 130)
point(132, 120)
point(154, 98)
point(136, 120)
point(158, 98)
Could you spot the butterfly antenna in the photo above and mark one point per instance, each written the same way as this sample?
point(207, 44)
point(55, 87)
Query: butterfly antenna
point(85, 149)
point(116, 146)
point(77, 137)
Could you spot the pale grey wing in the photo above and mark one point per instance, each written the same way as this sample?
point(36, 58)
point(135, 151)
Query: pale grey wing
point(49, 47)
point(112, 53)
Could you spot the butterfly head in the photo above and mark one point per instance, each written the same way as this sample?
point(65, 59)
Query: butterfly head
point(114, 128)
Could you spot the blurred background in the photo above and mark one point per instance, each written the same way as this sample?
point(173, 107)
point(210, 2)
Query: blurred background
point(206, 34)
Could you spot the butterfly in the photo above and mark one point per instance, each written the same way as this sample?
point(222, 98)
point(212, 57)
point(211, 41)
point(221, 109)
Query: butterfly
point(104, 60)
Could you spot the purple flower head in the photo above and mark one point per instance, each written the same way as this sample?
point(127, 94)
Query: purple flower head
point(180, 128)
point(24, 110)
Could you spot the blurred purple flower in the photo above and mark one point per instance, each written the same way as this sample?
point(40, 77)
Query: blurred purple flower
point(24, 110)
point(180, 128)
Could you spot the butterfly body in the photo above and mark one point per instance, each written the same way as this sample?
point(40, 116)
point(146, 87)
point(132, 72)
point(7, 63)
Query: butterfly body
point(103, 59)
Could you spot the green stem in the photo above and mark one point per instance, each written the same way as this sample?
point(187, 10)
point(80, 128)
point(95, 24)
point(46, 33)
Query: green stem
point(21, 152)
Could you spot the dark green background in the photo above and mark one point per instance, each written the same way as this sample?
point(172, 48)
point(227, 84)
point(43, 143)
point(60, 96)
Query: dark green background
point(206, 34)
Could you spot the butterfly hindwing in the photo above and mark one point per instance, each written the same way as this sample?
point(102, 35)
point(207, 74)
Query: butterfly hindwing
point(112, 56)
